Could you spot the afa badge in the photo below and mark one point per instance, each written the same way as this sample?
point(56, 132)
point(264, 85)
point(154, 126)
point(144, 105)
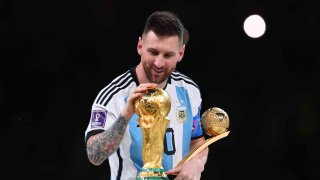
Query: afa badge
point(181, 114)
point(98, 119)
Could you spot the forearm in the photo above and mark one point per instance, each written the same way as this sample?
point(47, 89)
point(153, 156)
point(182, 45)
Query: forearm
point(202, 156)
point(101, 146)
point(194, 166)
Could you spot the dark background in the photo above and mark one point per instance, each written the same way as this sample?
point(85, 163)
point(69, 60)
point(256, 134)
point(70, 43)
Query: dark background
point(55, 56)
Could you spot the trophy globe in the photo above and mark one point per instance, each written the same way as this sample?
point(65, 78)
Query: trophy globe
point(215, 121)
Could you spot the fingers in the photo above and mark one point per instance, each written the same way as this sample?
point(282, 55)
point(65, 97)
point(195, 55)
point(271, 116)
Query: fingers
point(142, 89)
point(148, 85)
point(135, 94)
point(173, 171)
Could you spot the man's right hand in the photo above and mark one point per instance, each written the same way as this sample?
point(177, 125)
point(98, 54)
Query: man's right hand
point(135, 94)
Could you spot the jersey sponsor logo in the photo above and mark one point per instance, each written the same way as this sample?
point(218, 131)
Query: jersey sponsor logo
point(181, 112)
point(98, 119)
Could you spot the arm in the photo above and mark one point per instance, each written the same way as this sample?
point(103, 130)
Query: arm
point(102, 145)
point(193, 168)
point(203, 155)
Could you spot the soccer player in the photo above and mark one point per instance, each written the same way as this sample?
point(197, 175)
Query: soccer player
point(113, 132)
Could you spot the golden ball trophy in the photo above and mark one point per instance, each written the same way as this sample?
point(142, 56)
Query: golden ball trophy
point(215, 123)
point(152, 110)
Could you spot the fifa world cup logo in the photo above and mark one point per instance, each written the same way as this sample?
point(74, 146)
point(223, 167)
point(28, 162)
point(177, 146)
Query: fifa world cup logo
point(152, 110)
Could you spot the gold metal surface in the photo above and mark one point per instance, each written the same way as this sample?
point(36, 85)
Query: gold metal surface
point(152, 110)
point(215, 123)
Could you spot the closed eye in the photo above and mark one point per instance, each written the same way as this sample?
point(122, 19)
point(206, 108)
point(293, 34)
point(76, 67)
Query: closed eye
point(153, 52)
point(169, 55)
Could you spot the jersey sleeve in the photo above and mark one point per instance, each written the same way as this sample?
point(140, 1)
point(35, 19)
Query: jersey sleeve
point(197, 131)
point(109, 103)
point(102, 117)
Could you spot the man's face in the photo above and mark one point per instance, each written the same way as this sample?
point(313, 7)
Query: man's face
point(159, 55)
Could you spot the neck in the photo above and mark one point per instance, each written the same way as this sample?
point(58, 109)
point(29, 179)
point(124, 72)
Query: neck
point(142, 78)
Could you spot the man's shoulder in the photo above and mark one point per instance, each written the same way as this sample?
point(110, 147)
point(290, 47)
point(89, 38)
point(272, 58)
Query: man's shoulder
point(180, 78)
point(120, 79)
point(115, 88)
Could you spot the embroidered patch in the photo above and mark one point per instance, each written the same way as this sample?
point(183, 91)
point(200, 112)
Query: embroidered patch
point(98, 119)
point(181, 114)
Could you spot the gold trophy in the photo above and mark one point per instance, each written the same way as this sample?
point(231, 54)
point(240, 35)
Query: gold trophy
point(215, 123)
point(152, 110)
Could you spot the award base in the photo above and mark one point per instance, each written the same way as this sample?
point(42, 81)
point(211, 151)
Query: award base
point(152, 174)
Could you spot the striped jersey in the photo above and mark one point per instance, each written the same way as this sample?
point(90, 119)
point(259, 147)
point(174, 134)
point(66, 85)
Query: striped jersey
point(184, 124)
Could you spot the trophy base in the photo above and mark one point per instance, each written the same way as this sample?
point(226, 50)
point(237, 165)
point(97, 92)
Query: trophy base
point(152, 174)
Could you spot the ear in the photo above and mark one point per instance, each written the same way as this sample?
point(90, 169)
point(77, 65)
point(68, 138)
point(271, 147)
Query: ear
point(139, 46)
point(181, 52)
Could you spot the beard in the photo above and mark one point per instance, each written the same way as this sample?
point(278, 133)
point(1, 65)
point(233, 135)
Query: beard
point(153, 74)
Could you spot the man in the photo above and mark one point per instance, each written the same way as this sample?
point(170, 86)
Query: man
point(113, 132)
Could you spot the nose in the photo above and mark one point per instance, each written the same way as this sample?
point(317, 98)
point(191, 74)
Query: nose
point(159, 62)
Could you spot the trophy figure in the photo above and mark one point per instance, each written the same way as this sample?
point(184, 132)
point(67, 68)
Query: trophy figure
point(215, 123)
point(152, 110)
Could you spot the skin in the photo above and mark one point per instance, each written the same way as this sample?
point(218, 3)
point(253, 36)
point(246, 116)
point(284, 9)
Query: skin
point(159, 57)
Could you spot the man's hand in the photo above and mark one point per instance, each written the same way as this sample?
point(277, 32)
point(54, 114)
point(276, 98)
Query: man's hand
point(135, 94)
point(193, 168)
point(190, 170)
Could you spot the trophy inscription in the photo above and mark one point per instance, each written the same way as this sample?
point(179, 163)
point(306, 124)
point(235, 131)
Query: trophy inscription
point(152, 110)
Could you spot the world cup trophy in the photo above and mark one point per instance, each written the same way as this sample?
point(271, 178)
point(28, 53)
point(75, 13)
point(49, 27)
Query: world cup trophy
point(152, 110)
point(215, 123)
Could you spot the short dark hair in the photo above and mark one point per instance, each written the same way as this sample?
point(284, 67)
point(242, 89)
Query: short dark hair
point(164, 23)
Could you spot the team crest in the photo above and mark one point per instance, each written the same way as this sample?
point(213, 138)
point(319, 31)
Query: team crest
point(98, 119)
point(181, 114)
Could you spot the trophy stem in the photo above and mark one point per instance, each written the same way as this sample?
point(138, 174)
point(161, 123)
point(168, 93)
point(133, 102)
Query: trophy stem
point(198, 149)
point(152, 150)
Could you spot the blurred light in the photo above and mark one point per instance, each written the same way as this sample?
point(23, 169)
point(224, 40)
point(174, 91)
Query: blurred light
point(254, 26)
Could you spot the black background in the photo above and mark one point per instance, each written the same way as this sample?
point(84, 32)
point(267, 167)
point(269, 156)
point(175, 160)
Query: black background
point(55, 56)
